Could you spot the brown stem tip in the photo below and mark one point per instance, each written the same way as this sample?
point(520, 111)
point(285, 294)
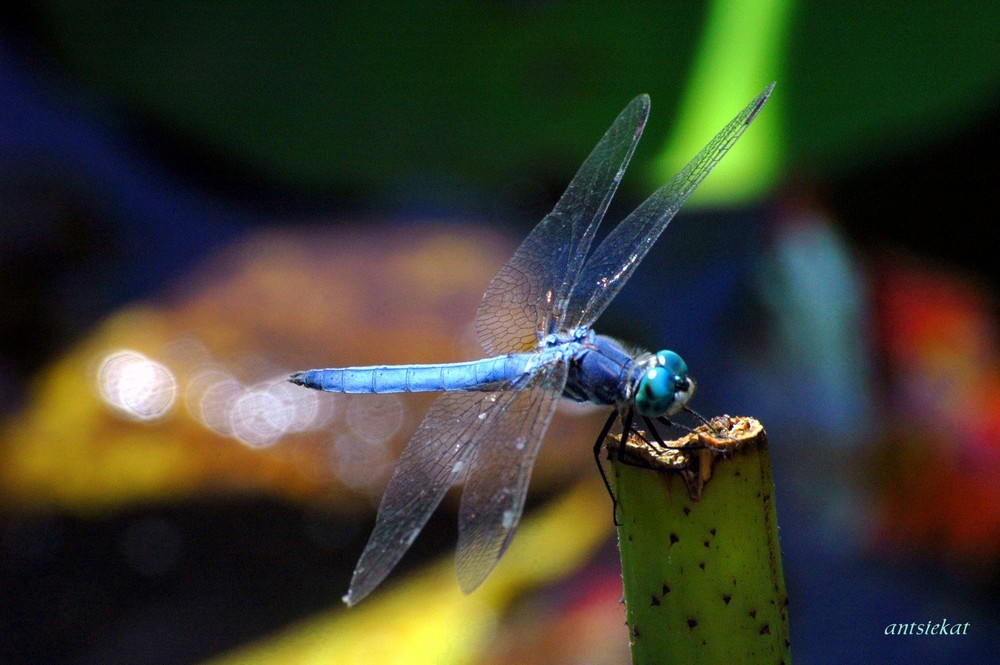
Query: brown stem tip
point(694, 454)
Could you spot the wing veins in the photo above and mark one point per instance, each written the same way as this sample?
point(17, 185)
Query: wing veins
point(619, 254)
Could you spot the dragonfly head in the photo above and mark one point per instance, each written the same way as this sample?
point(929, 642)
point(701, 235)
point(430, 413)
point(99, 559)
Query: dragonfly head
point(664, 387)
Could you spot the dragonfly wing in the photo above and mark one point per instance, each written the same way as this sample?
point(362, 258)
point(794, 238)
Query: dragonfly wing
point(434, 459)
point(527, 299)
point(497, 483)
point(617, 257)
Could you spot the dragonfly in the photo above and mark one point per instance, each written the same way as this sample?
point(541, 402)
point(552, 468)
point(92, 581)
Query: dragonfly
point(534, 324)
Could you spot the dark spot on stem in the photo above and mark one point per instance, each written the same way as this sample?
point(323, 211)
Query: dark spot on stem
point(674, 538)
point(765, 629)
point(666, 589)
point(701, 564)
point(692, 622)
point(654, 601)
point(753, 614)
point(687, 511)
point(726, 598)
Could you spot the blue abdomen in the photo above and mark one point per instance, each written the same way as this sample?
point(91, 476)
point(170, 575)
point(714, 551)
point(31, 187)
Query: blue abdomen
point(486, 374)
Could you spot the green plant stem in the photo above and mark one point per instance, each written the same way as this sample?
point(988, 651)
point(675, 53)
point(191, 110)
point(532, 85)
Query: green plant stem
point(699, 547)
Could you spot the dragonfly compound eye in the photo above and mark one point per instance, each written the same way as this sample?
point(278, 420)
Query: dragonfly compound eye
point(654, 396)
point(672, 362)
point(664, 388)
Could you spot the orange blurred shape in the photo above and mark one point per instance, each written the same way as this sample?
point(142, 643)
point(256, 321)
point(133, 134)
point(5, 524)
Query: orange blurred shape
point(186, 394)
point(941, 487)
point(939, 506)
point(922, 312)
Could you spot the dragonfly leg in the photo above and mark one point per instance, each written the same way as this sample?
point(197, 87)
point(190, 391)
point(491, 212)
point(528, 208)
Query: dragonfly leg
point(627, 418)
point(598, 446)
point(656, 436)
point(626, 431)
point(705, 422)
point(669, 423)
point(657, 439)
point(651, 429)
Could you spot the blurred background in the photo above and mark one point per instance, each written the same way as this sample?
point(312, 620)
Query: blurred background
point(198, 198)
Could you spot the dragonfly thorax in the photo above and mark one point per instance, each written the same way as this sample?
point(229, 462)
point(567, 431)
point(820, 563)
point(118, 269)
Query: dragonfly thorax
point(664, 386)
point(599, 369)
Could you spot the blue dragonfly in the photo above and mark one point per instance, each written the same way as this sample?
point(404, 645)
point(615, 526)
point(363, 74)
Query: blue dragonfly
point(534, 323)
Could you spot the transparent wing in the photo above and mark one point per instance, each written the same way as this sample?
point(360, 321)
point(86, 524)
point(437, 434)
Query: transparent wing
point(527, 299)
point(495, 488)
point(617, 257)
point(434, 459)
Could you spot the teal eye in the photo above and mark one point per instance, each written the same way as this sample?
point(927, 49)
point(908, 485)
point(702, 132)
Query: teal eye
point(672, 362)
point(664, 388)
point(654, 395)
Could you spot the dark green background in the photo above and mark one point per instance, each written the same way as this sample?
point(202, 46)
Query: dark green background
point(320, 95)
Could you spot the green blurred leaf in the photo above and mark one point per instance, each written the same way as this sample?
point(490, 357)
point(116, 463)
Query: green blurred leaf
point(323, 96)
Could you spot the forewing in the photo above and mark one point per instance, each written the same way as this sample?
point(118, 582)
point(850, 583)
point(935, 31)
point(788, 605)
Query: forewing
point(527, 299)
point(434, 459)
point(617, 257)
point(499, 473)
